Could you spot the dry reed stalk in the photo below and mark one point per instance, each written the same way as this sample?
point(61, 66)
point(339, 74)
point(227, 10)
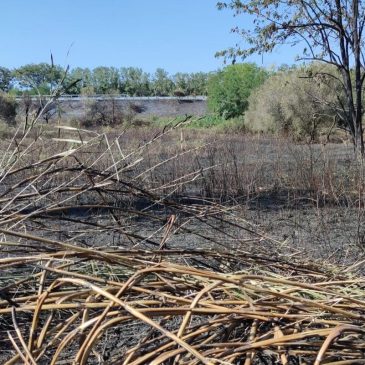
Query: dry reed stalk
point(241, 315)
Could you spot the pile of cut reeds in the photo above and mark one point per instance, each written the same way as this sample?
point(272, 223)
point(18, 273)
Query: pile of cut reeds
point(111, 307)
point(100, 266)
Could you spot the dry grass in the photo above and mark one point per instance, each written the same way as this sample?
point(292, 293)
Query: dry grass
point(102, 264)
point(135, 307)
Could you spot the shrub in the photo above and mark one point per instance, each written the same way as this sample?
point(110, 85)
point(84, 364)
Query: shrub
point(301, 103)
point(229, 89)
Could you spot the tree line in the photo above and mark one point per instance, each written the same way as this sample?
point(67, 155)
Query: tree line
point(42, 78)
point(299, 101)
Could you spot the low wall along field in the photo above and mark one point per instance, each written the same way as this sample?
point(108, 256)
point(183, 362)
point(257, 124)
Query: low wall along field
point(77, 107)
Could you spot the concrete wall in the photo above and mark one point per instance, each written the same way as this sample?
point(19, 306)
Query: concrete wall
point(76, 107)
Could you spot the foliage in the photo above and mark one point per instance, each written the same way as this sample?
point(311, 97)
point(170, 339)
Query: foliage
point(85, 77)
point(190, 84)
point(105, 79)
point(198, 83)
point(134, 81)
point(229, 89)
point(39, 78)
point(181, 81)
point(162, 85)
point(331, 31)
point(297, 102)
point(207, 122)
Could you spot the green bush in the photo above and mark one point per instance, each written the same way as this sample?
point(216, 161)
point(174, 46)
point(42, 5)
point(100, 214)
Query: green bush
point(300, 103)
point(218, 123)
point(229, 89)
point(208, 121)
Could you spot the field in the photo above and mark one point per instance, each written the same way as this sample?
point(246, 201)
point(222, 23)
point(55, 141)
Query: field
point(179, 246)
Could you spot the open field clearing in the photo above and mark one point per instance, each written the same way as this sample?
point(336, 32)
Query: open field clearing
point(179, 247)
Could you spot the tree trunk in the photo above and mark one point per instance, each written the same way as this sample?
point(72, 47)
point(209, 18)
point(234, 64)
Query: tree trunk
point(358, 83)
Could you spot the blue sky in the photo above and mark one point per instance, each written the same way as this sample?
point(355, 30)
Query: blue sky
point(177, 35)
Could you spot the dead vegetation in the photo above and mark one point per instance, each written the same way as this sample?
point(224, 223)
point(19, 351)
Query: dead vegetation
point(135, 307)
point(103, 262)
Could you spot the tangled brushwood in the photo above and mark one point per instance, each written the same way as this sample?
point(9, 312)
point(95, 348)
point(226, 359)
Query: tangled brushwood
point(101, 265)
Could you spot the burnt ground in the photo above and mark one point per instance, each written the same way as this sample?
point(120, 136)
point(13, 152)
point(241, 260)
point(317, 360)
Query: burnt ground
point(279, 191)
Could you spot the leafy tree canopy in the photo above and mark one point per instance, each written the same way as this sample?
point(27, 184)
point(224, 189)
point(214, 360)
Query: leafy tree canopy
point(40, 76)
point(229, 89)
point(132, 81)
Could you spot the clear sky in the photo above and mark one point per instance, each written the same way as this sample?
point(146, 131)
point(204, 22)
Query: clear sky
point(177, 35)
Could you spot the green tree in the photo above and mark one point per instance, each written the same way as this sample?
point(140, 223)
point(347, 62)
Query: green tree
point(162, 85)
point(198, 82)
point(181, 81)
point(331, 31)
point(229, 89)
point(134, 81)
point(82, 74)
point(105, 79)
point(40, 78)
